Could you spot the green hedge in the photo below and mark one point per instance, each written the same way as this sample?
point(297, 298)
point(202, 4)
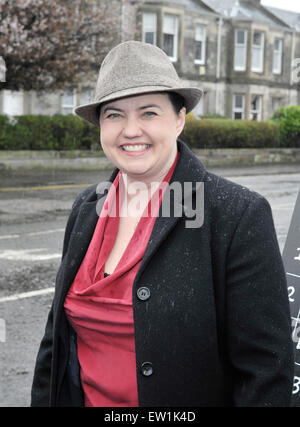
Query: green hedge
point(39, 132)
point(288, 120)
point(224, 133)
point(60, 132)
point(5, 129)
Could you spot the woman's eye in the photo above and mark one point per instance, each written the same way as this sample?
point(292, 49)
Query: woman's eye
point(113, 116)
point(150, 113)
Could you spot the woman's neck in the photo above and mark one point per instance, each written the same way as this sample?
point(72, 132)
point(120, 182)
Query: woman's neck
point(131, 183)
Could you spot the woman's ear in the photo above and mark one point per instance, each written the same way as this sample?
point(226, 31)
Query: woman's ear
point(181, 120)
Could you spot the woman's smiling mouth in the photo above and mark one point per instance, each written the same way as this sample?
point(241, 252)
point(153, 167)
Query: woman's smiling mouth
point(135, 147)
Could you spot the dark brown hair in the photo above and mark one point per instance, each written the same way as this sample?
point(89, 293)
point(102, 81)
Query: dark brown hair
point(176, 100)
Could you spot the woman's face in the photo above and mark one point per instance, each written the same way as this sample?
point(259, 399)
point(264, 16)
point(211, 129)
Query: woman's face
point(138, 134)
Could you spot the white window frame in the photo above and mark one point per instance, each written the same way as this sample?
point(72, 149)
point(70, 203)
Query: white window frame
point(173, 32)
point(13, 102)
point(277, 56)
point(260, 49)
point(67, 105)
point(257, 111)
point(150, 26)
point(240, 47)
point(200, 36)
point(236, 109)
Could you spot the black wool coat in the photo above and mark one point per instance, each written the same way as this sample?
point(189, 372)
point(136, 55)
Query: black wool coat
point(213, 326)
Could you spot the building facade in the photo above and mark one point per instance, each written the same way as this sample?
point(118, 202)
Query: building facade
point(242, 54)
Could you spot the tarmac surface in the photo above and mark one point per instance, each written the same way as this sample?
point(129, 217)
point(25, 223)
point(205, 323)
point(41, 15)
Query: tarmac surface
point(34, 207)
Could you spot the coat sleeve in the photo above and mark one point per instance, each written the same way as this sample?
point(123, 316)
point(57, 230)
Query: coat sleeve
point(40, 391)
point(258, 317)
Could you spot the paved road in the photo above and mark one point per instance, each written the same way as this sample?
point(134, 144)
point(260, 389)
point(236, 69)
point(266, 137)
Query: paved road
point(33, 214)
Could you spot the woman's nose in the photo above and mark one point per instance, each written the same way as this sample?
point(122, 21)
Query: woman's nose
point(132, 128)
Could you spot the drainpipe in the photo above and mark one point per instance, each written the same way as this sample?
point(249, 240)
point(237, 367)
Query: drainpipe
point(292, 62)
point(123, 22)
point(220, 23)
point(293, 56)
point(218, 68)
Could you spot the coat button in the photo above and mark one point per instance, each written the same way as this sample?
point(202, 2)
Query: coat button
point(143, 293)
point(147, 369)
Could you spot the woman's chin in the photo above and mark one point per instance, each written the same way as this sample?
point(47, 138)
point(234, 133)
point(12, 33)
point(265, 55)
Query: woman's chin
point(136, 172)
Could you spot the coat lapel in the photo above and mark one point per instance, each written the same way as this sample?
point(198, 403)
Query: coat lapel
point(82, 234)
point(83, 230)
point(188, 169)
point(80, 238)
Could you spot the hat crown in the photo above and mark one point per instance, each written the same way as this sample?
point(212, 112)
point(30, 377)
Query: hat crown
point(135, 64)
point(134, 68)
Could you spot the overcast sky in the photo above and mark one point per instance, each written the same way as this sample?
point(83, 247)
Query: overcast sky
point(293, 5)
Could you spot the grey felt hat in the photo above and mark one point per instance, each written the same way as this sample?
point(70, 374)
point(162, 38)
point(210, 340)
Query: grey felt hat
point(133, 68)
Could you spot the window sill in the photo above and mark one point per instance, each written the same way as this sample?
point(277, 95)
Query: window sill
point(257, 71)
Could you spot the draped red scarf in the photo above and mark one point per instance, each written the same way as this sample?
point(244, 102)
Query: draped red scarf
point(100, 308)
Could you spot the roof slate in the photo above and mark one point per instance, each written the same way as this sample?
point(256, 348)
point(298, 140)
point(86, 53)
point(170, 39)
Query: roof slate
point(245, 9)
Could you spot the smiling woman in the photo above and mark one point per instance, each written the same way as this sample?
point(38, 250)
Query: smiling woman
point(151, 309)
point(138, 134)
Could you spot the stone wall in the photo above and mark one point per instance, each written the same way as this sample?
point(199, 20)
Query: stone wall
point(96, 160)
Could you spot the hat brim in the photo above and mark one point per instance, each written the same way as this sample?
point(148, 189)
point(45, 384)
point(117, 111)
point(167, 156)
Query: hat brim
point(88, 112)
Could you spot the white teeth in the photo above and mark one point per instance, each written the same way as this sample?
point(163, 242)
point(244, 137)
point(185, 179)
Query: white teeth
point(135, 147)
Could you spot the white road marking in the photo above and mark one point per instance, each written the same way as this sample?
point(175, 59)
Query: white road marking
point(10, 236)
point(43, 187)
point(27, 255)
point(283, 206)
point(34, 233)
point(30, 294)
point(291, 274)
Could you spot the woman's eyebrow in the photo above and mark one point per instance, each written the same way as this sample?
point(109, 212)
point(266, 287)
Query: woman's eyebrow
point(111, 107)
point(149, 106)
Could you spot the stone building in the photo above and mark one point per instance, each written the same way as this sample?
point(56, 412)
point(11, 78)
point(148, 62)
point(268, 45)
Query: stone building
point(242, 54)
